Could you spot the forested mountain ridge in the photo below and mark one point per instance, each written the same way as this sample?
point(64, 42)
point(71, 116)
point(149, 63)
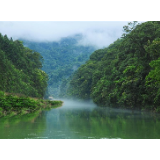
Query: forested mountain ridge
point(61, 59)
point(124, 74)
point(20, 69)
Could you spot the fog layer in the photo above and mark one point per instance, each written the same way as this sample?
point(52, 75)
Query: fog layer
point(97, 33)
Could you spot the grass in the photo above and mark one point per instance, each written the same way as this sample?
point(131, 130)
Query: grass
point(15, 104)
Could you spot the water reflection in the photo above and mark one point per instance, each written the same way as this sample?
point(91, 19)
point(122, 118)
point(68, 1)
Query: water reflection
point(94, 122)
point(20, 127)
point(75, 120)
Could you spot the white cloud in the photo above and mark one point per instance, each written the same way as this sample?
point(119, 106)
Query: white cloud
point(98, 33)
point(100, 38)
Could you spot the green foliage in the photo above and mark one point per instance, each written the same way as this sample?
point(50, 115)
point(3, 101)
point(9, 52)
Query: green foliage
point(20, 69)
point(11, 104)
point(61, 59)
point(124, 74)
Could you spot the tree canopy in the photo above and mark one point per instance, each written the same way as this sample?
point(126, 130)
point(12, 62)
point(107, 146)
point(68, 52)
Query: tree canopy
point(20, 69)
point(124, 74)
point(61, 59)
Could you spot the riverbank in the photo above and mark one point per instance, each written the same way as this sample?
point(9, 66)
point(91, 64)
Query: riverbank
point(18, 104)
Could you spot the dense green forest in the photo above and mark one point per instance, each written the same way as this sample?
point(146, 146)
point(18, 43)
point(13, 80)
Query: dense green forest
point(61, 59)
point(20, 69)
point(126, 73)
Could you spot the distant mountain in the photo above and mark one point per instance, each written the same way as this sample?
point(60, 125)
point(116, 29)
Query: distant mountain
point(61, 59)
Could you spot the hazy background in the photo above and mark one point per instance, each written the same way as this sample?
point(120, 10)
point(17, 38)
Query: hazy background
point(98, 33)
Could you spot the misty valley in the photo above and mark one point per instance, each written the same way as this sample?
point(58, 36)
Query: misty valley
point(81, 86)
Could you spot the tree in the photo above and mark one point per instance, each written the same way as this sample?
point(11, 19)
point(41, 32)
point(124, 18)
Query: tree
point(19, 67)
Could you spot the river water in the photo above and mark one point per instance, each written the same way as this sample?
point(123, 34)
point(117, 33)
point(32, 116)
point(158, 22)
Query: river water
point(77, 120)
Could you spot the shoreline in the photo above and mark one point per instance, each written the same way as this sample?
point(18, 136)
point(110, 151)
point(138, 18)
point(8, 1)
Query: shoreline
point(16, 104)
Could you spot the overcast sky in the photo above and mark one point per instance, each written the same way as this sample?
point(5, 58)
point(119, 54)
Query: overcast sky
point(98, 33)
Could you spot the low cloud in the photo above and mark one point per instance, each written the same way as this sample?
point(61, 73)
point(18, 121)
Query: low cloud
point(100, 38)
point(97, 33)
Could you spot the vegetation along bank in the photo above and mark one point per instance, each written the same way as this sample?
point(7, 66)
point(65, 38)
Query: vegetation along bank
point(15, 104)
point(20, 72)
point(126, 73)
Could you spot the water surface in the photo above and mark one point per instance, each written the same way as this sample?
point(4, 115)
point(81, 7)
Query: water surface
point(75, 120)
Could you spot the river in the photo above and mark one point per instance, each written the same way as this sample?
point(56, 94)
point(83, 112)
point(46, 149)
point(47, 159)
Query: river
point(77, 120)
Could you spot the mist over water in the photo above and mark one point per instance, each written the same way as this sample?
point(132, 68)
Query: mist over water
point(85, 120)
point(82, 120)
point(77, 104)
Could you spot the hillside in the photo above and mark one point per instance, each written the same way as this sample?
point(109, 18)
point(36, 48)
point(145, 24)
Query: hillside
point(61, 59)
point(20, 69)
point(125, 74)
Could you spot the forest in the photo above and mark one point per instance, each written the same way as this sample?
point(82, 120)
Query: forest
point(61, 59)
point(22, 82)
point(126, 73)
point(20, 69)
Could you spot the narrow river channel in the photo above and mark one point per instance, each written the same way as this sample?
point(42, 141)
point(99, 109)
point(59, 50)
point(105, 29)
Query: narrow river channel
point(75, 120)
